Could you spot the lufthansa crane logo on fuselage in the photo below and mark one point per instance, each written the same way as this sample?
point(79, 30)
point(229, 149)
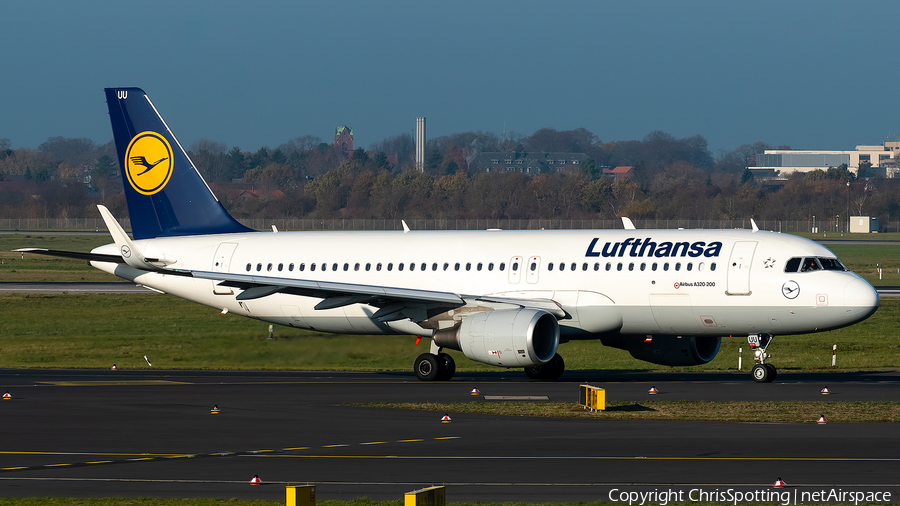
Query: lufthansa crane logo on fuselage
point(148, 162)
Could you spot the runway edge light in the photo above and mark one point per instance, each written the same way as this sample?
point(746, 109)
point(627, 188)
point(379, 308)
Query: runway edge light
point(113, 368)
point(475, 391)
point(445, 418)
point(779, 483)
point(822, 420)
point(825, 391)
point(214, 410)
point(7, 396)
point(653, 391)
point(255, 480)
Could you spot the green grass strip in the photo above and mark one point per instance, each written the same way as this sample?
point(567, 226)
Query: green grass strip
point(727, 411)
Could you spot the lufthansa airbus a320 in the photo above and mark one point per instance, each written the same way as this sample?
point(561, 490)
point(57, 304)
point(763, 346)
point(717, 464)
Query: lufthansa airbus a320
point(506, 298)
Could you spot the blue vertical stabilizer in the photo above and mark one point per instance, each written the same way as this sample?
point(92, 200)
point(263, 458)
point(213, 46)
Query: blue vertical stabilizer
point(166, 195)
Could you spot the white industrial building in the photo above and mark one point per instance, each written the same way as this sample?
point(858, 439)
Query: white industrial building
point(883, 158)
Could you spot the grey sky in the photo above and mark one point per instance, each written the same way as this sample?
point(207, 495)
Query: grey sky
point(809, 74)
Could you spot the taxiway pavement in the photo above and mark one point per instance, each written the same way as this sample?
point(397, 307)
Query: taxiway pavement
point(151, 433)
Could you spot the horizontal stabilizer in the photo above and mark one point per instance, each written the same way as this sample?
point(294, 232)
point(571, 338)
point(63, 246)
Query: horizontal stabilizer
point(91, 257)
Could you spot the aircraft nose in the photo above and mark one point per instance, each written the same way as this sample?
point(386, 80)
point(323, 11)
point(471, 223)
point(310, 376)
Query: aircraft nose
point(861, 299)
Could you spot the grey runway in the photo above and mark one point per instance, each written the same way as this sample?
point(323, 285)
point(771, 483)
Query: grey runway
point(151, 433)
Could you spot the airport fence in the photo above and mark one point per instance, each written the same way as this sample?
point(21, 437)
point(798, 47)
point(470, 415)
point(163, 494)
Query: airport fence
point(285, 224)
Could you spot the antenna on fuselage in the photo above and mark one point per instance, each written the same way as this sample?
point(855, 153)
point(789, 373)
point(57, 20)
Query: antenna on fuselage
point(628, 224)
point(405, 226)
point(753, 223)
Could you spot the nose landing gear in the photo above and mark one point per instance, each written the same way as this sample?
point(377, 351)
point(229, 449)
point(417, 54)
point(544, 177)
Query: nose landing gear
point(762, 372)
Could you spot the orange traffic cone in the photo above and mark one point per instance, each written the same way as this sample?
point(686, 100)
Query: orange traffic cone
point(825, 391)
point(445, 418)
point(653, 390)
point(778, 483)
point(215, 410)
point(256, 480)
point(6, 396)
point(822, 420)
point(113, 368)
point(475, 391)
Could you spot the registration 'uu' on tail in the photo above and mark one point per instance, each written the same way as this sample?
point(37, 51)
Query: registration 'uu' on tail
point(166, 195)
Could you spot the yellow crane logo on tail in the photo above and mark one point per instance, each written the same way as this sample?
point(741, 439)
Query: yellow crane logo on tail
point(148, 162)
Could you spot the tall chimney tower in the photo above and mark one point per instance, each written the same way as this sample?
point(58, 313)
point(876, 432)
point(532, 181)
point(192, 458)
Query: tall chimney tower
point(420, 144)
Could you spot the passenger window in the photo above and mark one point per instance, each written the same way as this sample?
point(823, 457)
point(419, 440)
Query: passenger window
point(248, 267)
point(412, 266)
point(491, 266)
point(562, 266)
point(356, 267)
point(446, 265)
point(701, 266)
point(690, 266)
point(479, 266)
point(608, 266)
point(269, 267)
point(677, 266)
point(399, 267)
point(312, 266)
point(550, 266)
point(515, 266)
point(653, 267)
point(424, 266)
point(456, 266)
point(334, 266)
point(793, 264)
point(502, 266)
point(666, 266)
point(302, 267)
point(533, 266)
point(291, 267)
point(346, 267)
point(434, 266)
point(596, 266)
point(712, 266)
point(378, 267)
point(390, 266)
point(619, 267)
point(258, 267)
point(631, 266)
point(468, 266)
point(572, 267)
point(280, 267)
point(643, 266)
point(368, 266)
point(584, 266)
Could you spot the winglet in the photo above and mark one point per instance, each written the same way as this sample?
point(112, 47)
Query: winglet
point(628, 224)
point(405, 226)
point(753, 223)
point(130, 253)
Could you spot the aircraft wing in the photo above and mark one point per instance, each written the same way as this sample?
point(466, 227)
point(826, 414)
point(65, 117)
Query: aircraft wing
point(394, 303)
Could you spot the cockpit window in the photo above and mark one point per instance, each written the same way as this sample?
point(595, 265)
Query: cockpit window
point(792, 265)
point(832, 264)
point(810, 264)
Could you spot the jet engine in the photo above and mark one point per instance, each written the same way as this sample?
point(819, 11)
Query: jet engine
point(509, 338)
point(669, 350)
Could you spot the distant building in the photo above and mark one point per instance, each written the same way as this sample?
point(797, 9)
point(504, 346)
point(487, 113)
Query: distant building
point(343, 142)
point(788, 161)
point(617, 173)
point(529, 163)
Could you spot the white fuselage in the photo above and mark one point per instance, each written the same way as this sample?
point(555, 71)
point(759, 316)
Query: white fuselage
point(705, 282)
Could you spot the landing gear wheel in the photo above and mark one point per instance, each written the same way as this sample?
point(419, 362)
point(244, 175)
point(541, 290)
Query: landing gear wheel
point(448, 367)
point(773, 373)
point(761, 373)
point(552, 370)
point(427, 367)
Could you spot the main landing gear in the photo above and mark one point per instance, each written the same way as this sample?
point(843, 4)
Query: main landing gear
point(434, 366)
point(552, 370)
point(761, 372)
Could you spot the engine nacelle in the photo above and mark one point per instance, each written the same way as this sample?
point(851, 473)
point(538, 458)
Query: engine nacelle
point(508, 338)
point(673, 350)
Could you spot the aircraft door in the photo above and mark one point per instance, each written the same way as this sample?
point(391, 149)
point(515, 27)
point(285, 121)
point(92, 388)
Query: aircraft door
point(515, 269)
point(222, 263)
point(533, 268)
point(739, 268)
